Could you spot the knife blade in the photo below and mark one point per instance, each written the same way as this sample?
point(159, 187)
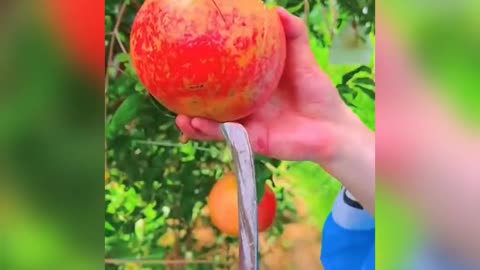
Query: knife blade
point(239, 143)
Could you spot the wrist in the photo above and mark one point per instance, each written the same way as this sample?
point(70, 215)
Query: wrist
point(352, 161)
point(350, 139)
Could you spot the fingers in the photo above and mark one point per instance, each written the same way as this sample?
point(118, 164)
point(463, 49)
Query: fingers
point(198, 129)
point(296, 33)
point(207, 130)
point(183, 123)
point(294, 27)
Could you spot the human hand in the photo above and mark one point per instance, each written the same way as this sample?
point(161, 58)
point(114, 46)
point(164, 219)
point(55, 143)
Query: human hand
point(303, 118)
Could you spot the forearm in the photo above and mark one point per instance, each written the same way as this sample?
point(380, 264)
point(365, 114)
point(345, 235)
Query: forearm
point(354, 162)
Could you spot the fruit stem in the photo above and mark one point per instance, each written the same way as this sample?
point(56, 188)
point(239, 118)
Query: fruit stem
point(219, 11)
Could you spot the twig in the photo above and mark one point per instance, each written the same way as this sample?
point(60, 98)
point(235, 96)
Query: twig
point(333, 10)
point(120, 43)
point(219, 11)
point(169, 144)
point(110, 59)
point(329, 25)
point(306, 8)
point(156, 262)
point(112, 39)
point(270, 167)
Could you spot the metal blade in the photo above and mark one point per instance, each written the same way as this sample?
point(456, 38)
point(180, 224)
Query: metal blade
point(237, 138)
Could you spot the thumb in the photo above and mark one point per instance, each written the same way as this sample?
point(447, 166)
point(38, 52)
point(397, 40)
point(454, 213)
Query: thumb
point(296, 34)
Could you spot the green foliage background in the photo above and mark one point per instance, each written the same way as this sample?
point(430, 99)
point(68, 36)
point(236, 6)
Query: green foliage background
point(155, 186)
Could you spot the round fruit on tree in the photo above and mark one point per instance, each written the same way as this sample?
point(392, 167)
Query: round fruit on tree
point(214, 59)
point(223, 206)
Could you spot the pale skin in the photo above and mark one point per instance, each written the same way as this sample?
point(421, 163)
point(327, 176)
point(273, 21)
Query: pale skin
point(305, 120)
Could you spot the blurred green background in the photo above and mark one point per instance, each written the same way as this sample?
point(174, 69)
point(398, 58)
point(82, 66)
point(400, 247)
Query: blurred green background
point(156, 188)
point(51, 138)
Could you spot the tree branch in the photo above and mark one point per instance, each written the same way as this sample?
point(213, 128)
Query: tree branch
point(155, 262)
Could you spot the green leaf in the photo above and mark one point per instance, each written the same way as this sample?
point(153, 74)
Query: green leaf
point(270, 3)
point(125, 113)
point(262, 174)
point(140, 229)
point(282, 3)
point(108, 23)
point(109, 227)
point(149, 212)
point(260, 190)
point(226, 155)
point(132, 200)
point(122, 37)
point(112, 71)
point(367, 91)
point(364, 80)
point(214, 152)
point(347, 94)
point(296, 8)
point(348, 76)
point(189, 151)
point(123, 57)
point(315, 17)
point(139, 87)
point(344, 89)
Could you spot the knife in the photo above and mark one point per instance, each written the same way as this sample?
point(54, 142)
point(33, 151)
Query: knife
point(239, 143)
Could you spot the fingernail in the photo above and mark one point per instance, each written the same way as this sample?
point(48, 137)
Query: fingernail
point(184, 139)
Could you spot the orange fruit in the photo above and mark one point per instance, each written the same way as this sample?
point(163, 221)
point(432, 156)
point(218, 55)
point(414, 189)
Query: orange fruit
point(223, 206)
